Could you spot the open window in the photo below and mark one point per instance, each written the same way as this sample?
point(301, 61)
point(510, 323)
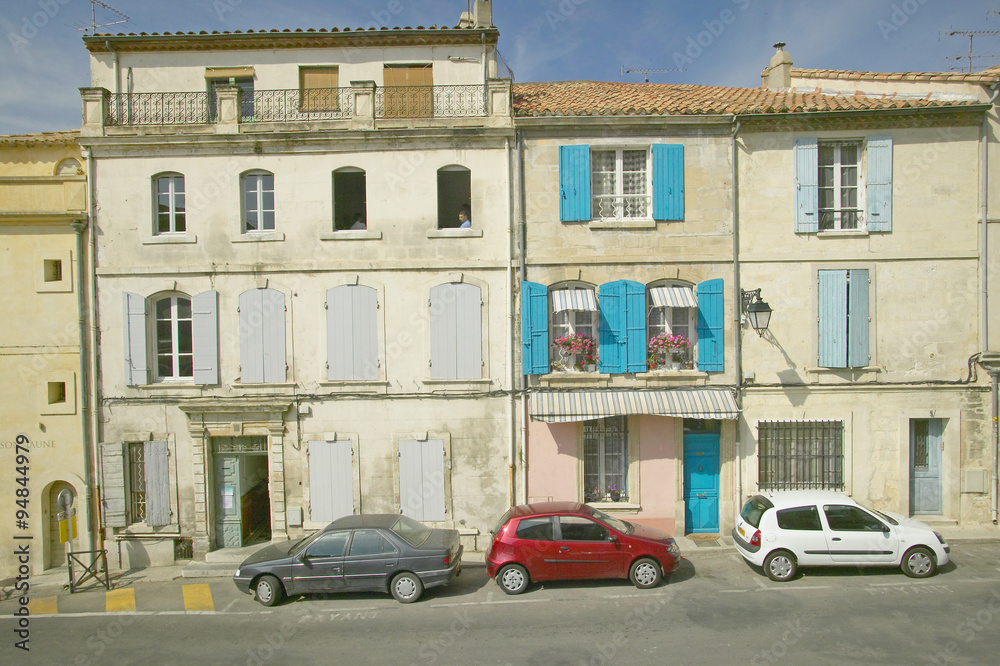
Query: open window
point(671, 324)
point(454, 196)
point(350, 207)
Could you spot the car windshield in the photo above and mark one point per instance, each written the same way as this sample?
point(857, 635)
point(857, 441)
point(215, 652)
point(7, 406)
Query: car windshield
point(413, 532)
point(620, 525)
point(503, 521)
point(302, 543)
point(890, 519)
point(754, 509)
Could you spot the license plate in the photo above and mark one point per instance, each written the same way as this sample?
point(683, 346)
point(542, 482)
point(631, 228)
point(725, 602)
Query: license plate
point(742, 533)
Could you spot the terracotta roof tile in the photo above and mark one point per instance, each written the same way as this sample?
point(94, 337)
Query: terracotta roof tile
point(62, 137)
point(594, 98)
point(990, 75)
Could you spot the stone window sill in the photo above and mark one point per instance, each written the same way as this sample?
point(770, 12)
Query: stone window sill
point(348, 235)
point(170, 239)
point(622, 224)
point(259, 237)
point(455, 233)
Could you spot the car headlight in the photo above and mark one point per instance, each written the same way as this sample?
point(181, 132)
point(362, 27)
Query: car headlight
point(237, 573)
point(672, 547)
point(939, 538)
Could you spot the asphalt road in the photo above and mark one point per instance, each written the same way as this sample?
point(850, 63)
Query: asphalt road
point(715, 609)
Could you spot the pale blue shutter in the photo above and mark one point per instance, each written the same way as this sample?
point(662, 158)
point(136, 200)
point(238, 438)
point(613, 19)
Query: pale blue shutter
point(251, 337)
point(134, 336)
point(113, 484)
point(469, 332)
point(352, 333)
point(806, 156)
point(858, 321)
point(711, 326)
point(574, 183)
point(444, 315)
point(205, 315)
point(331, 480)
point(534, 328)
point(832, 327)
point(668, 181)
point(611, 339)
point(421, 479)
point(273, 335)
point(157, 484)
point(635, 327)
point(879, 183)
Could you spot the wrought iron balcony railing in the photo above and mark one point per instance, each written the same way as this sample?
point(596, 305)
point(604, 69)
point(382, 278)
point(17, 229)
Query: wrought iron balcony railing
point(292, 105)
point(158, 108)
point(460, 101)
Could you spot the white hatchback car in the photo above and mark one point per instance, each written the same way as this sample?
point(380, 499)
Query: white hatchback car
point(782, 530)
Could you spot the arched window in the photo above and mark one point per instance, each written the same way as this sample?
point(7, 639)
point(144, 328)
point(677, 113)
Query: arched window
point(350, 207)
point(170, 211)
point(454, 196)
point(573, 326)
point(69, 167)
point(258, 201)
point(173, 331)
point(672, 313)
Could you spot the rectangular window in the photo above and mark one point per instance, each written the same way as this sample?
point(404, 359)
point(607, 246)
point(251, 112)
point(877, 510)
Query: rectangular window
point(52, 270)
point(839, 164)
point(174, 338)
point(136, 480)
point(800, 455)
point(454, 196)
point(57, 393)
point(258, 202)
point(170, 212)
point(619, 184)
point(318, 89)
point(350, 207)
point(605, 459)
point(408, 91)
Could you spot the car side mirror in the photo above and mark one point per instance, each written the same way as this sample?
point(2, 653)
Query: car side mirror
point(302, 557)
point(612, 538)
point(885, 528)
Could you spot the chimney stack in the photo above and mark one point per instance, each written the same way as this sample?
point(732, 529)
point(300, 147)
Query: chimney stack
point(778, 73)
point(480, 17)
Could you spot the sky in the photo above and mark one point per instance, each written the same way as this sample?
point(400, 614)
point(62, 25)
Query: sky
point(709, 42)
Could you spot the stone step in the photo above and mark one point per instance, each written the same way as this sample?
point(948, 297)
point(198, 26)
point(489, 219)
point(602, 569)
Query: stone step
point(208, 570)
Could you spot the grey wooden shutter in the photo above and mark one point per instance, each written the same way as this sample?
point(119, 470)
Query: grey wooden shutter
point(805, 153)
point(352, 333)
point(205, 315)
point(468, 332)
point(157, 484)
point(113, 484)
point(444, 315)
point(421, 479)
point(134, 336)
point(331, 480)
point(273, 335)
point(251, 339)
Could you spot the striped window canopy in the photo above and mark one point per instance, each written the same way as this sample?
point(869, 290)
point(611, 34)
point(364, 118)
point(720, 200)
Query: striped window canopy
point(574, 299)
point(569, 406)
point(673, 297)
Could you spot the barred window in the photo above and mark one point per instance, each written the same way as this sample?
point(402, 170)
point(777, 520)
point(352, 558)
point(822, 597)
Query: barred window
point(605, 459)
point(136, 482)
point(800, 454)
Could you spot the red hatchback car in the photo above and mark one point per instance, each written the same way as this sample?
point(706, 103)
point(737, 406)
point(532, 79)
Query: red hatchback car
point(569, 540)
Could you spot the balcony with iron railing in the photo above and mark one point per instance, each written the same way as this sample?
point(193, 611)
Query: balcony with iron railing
point(362, 104)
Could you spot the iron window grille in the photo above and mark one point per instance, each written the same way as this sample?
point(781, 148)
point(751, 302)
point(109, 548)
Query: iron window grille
point(605, 459)
point(796, 455)
point(136, 482)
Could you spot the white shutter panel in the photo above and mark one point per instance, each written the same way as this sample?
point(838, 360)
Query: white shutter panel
point(113, 483)
point(205, 315)
point(331, 480)
point(352, 332)
point(134, 335)
point(157, 484)
point(469, 332)
point(251, 340)
point(444, 314)
point(273, 335)
point(421, 479)
point(365, 321)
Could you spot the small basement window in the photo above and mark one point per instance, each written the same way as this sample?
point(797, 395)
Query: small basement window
point(52, 270)
point(57, 393)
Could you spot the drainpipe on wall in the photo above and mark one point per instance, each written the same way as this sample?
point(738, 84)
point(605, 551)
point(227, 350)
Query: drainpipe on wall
point(509, 352)
point(523, 274)
point(94, 399)
point(984, 289)
point(737, 312)
point(79, 226)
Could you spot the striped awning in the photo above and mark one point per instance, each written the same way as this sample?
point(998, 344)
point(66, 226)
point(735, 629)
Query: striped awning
point(673, 297)
point(561, 407)
point(574, 299)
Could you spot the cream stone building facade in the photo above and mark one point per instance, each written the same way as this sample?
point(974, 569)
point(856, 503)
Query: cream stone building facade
point(43, 242)
point(294, 323)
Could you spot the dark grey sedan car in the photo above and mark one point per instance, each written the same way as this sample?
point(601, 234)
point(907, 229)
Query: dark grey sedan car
point(378, 552)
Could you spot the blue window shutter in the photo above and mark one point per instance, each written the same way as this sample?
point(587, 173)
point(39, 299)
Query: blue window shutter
point(443, 330)
point(352, 333)
point(879, 186)
point(468, 332)
point(635, 327)
point(134, 335)
point(806, 154)
point(857, 318)
point(157, 484)
point(832, 327)
point(668, 182)
point(611, 338)
point(331, 480)
point(711, 326)
point(534, 328)
point(273, 335)
point(574, 183)
point(205, 315)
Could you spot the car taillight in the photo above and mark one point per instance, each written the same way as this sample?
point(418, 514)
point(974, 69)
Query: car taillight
point(755, 539)
point(446, 560)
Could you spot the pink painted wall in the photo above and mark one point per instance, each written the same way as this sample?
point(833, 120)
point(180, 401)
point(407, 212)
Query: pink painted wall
point(552, 461)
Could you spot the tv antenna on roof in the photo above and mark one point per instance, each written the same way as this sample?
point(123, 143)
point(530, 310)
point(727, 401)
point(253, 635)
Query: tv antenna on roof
point(972, 34)
point(647, 72)
point(93, 17)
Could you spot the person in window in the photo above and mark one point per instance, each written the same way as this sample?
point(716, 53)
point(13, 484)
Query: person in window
point(464, 218)
point(359, 223)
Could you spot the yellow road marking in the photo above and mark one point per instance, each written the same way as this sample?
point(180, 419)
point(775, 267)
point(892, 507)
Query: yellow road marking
point(43, 606)
point(119, 600)
point(198, 597)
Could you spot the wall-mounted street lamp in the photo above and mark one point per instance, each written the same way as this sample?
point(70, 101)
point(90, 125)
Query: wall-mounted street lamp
point(756, 311)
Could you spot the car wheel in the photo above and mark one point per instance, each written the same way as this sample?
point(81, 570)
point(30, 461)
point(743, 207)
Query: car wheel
point(645, 573)
point(780, 566)
point(406, 587)
point(268, 590)
point(513, 579)
point(919, 563)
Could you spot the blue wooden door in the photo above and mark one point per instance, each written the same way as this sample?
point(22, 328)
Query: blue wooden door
point(926, 442)
point(701, 482)
point(228, 520)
